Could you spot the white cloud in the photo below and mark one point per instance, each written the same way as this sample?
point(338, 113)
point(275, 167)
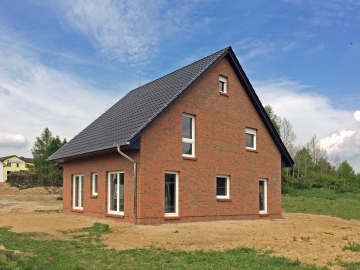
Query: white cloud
point(128, 30)
point(40, 96)
point(357, 116)
point(12, 141)
point(310, 114)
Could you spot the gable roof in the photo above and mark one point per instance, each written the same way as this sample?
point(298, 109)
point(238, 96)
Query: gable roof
point(27, 160)
point(124, 122)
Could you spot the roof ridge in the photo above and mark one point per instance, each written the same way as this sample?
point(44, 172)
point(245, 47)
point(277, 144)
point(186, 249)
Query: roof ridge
point(181, 90)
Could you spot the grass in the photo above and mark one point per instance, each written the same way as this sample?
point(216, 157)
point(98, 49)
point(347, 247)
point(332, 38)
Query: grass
point(86, 251)
point(354, 247)
point(322, 202)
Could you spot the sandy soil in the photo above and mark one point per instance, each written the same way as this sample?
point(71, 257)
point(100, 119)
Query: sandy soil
point(285, 237)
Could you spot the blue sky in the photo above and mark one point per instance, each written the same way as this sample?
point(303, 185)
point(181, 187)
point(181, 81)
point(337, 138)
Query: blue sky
point(63, 63)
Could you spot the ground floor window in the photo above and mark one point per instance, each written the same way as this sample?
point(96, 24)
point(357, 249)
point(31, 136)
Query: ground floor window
point(94, 184)
point(78, 183)
point(262, 196)
point(171, 194)
point(222, 187)
point(116, 193)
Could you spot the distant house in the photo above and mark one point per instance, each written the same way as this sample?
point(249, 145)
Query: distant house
point(13, 163)
point(194, 145)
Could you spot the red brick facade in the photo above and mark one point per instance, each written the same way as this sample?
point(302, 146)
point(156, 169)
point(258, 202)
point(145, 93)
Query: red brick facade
point(220, 124)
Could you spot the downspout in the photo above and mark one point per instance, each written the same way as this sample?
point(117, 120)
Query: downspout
point(133, 161)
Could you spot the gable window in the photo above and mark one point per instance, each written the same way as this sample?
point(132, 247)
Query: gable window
point(78, 182)
point(116, 193)
point(222, 84)
point(251, 138)
point(171, 194)
point(188, 135)
point(222, 187)
point(94, 184)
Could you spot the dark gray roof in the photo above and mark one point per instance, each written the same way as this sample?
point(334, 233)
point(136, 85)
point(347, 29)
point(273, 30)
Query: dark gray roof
point(131, 115)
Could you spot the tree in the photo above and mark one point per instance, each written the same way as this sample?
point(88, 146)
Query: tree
point(288, 136)
point(45, 146)
point(316, 151)
point(346, 173)
point(273, 117)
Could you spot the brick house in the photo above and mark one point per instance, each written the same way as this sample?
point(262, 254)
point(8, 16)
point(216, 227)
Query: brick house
point(194, 145)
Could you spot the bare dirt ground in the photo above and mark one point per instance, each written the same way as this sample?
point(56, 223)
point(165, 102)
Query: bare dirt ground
point(311, 239)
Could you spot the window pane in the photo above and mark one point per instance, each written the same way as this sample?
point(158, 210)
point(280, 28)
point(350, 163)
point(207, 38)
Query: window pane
point(76, 190)
point(170, 196)
point(81, 184)
point(221, 186)
point(221, 86)
point(187, 127)
point(121, 193)
point(113, 192)
point(95, 183)
point(262, 195)
point(249, 140)
point(187, 148)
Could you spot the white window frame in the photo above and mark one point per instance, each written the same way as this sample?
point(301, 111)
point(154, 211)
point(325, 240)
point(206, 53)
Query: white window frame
point(227, 196)
point(191, 141)
point(224, 80)
point(265, 197)
point(118, 197)
point(80, 191)
point(94, 178)
point(176, 195)
point(252, 132)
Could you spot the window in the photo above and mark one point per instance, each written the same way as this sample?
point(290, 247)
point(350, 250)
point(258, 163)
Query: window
point(9, 163)
point(171, 194)
point(222, 84)
point(222, 187)
point(262, 196)
point(188, 135)
point(251, 138)
point(116, 193)
point(94, 184)
point(17, 165)
point(78, 181)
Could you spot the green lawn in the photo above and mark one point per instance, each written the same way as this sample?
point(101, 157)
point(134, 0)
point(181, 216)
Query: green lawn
point(322, 202)
point(85, 251)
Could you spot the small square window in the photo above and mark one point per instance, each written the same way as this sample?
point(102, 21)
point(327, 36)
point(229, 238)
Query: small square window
point(251, 138)
point(222, 84)
point(94, 184)
point(222, 187)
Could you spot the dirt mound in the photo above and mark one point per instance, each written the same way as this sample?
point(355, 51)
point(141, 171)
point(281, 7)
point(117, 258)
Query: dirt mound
point(34, 191)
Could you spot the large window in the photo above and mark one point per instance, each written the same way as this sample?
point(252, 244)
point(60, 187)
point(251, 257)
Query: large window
point(116, 193)
point(222, 187)
point(171, 194)
point(222, 84)
point(94, 184)
point(78, 183)
point(188, 135)
point(251, 138)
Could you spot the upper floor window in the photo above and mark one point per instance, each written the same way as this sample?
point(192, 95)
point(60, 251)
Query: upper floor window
point(222, 84)
point(188, 135)
point(251, 138)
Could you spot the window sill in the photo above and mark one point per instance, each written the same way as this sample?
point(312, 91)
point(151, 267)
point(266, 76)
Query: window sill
point(223, 200)
point(172, 218)
point(77, 210)
point(114, 215)
point(93, 196)
point(251, 150)
point(189, 158)
point(223, 94)
point(263, 215)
